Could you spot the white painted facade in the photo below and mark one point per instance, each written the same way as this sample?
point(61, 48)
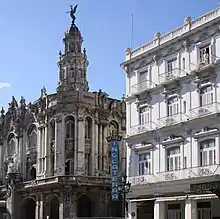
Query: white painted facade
point(173, 123)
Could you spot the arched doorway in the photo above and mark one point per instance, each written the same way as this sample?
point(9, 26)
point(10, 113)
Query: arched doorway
point(54, 208)
point(28, 208)
point(84, 206)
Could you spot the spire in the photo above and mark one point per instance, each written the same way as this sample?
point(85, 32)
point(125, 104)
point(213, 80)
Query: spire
point(73, 62)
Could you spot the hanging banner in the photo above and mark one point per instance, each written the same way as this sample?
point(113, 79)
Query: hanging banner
point(115, 164)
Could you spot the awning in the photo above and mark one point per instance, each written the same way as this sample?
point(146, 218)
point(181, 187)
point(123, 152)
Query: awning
point(142, 199)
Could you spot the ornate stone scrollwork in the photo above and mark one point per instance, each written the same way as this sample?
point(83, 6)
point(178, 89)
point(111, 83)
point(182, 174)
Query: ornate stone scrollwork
point(58, 119)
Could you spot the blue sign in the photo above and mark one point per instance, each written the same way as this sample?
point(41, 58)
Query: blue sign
point(115, 181)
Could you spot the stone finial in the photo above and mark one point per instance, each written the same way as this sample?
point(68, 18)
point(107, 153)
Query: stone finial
point(157, 35)
point(43, 91)
point(187, 20)
point(128, 51)
point(2, 112)
point(123, 97)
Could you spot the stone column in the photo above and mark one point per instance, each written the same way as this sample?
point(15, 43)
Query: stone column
point(190, 209)
point(38, 150)
point(105, 152)
point(94, 146)
point(46, 145)
point(80, 147)
point(59, 166)
point(37, 210)
point(100, 147)
point(61, 208)
point(132, 210)
point(159, 209)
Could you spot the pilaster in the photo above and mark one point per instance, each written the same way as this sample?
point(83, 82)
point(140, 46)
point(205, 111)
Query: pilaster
point(81, 147)
point(100, 147)
point(159, 209)
point(59, 166)
point(46, 145)
point(132, 210)
point(105, 149)
point(190, 209)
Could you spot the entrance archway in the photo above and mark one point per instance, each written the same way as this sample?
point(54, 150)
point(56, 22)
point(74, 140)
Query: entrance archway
point(52, 209)
point(28, 208)
point(84, 206)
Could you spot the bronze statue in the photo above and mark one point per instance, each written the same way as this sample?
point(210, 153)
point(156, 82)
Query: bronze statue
point(72, 13)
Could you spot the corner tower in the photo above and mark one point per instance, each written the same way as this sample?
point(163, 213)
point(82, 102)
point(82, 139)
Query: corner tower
point(73, 62)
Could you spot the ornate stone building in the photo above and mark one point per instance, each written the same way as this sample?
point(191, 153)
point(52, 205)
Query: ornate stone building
point(55, 159)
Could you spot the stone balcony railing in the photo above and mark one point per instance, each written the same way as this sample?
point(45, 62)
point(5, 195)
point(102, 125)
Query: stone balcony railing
point(172, 119)
point(141, 87)
point(205, 110)
point(212, 15)
point(170, 76)
point(183, 174)
point(138, 129)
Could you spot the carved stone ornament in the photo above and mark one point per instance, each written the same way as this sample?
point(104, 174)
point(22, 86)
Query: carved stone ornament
point(186, 44)
point(58, 119)
point(80, 119)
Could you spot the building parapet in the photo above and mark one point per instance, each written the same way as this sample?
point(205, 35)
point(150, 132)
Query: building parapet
point(162, 39)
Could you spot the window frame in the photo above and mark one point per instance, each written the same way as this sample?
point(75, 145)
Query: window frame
point(208, 149)
point(149, 161)
point(174, 146)
point(177, 103)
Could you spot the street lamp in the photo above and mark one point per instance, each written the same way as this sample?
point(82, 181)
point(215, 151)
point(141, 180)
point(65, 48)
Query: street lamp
point(125, 189)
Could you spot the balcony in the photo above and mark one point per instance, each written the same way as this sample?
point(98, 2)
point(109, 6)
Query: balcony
point(141, 87)
point(183, 174)
point(171, 75)
point(205, 110)
point(172, 120)
point(142, 128)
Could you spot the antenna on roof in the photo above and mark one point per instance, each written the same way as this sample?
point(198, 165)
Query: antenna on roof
point(132, 30)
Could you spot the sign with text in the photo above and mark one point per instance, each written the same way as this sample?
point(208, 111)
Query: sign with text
point(115, 163)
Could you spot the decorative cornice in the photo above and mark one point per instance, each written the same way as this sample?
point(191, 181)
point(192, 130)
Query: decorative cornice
point(144, 146)
point(206, 132)
point(173, 139)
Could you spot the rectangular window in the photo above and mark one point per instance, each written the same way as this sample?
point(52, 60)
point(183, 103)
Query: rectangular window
point(172, 106)
point(144, 115)
point(206, 95)
point(204, 55)
point(143, 80)
point(207, 152)
point(173, 158)
point(145, 164)
point(171, 66)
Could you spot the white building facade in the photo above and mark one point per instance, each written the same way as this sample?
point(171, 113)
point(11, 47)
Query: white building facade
point(173, 122)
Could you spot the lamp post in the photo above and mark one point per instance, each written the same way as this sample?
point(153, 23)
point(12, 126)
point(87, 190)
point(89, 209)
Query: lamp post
point(125, 189)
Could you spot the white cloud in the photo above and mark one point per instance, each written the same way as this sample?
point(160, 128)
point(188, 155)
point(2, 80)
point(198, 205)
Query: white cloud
point(2, 85)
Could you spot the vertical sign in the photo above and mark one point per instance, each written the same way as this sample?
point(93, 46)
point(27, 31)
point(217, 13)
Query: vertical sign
point(115, 181)
point(114, 144)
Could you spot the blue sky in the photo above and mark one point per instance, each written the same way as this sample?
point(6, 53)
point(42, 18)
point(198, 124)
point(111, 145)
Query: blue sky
point(32, 33)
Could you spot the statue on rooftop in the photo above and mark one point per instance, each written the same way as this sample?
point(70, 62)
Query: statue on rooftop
point(72, 13)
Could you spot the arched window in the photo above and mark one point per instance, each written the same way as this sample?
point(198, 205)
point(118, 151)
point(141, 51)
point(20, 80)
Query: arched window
point(88, 128)
point(70, 127)
point(32, 137)
point(207, 152)
point(11, 145)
